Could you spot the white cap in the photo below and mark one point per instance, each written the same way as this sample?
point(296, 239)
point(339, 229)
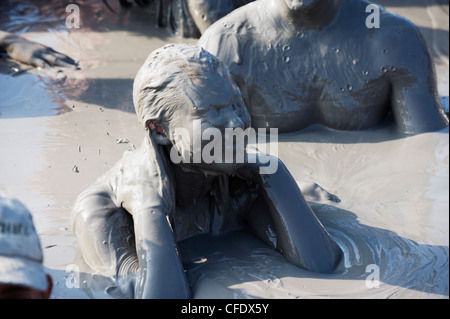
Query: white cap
point(20, 249)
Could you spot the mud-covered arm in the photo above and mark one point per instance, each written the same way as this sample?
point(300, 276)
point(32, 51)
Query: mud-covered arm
point(415, 100)
point(145, 191)
point(300, 236)
point(33, 53)
point(161, 272)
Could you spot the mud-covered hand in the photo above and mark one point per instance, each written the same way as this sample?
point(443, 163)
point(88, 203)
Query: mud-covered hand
point(33, 53)
point(300, 236)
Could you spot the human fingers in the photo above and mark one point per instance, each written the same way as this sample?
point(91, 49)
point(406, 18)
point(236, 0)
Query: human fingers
point(55, 58)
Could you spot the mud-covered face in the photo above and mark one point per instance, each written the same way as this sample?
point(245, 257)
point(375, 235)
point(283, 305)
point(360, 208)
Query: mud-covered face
point(301, 4)
point(209, 132)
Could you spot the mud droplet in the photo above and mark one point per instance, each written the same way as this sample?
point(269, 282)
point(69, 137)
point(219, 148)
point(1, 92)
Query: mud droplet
point(228, 26)
point(383, 69)
point(60, 75)
point(287, 59)
point(349, 87)
point(199, 260)
point(287, 47)
point(365, 72)
point(300, 35)
point(337, 50)
point(393, 69)
point(122, 141)
point(385, 51)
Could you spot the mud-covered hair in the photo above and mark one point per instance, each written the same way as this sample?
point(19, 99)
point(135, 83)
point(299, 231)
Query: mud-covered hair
point(172, 77)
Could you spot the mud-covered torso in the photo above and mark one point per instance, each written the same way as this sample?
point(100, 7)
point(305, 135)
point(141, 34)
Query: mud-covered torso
point(291, 79)
point(307, 91)
point(209, 204)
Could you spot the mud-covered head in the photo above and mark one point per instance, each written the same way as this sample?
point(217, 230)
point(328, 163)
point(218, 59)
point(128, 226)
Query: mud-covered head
point(180, 92)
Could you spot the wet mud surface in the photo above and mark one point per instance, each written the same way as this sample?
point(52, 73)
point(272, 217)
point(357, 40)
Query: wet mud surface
point(383, 196)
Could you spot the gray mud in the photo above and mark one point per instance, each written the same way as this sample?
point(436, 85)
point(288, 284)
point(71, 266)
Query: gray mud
point(383, 196)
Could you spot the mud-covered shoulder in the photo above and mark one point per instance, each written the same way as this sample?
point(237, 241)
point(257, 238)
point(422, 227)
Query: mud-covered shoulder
point(401, 37)
point(224, 37)
point(138, 181)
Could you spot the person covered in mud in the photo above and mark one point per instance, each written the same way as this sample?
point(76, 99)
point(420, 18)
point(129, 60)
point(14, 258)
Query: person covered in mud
point(188, 18)
point(129, 222)
point(32, 53)
point(304, 62)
